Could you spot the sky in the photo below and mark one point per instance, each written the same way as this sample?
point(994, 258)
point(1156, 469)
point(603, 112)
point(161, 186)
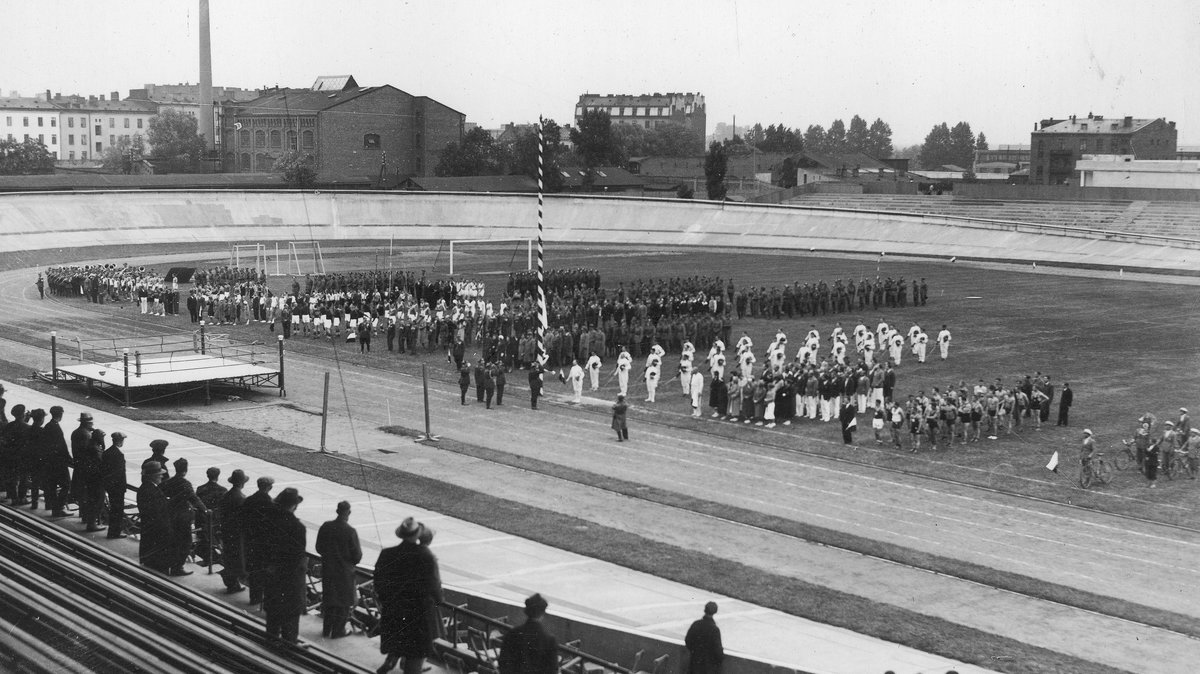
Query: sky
point(1000, 65)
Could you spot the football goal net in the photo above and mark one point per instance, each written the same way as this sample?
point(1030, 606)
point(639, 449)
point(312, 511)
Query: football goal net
point(490, 248)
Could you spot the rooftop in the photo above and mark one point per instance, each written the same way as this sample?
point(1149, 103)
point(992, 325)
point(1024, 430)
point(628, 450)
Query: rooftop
point(1095, 124)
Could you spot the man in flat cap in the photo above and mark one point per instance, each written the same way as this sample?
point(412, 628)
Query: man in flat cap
point(183, 505)
point(703, 641)
point(529, 648)
point(112, 477)
point(158, 454)
point(255, 529)
point(207, 524)
point(154, 544)
point(337, 543)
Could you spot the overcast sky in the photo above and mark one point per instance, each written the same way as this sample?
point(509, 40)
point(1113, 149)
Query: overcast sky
point(1000, 65)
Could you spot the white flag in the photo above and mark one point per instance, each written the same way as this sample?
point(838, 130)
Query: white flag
point(237, 125)
point(1053, 465)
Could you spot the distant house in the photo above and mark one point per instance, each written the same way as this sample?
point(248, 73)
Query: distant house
point(517, 184)
point(1058, 143)
point(602, 179)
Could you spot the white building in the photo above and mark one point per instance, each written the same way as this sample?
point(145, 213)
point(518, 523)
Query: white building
point(1122, 170)
point(30, 118)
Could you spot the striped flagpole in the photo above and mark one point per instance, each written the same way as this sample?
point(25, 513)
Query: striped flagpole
point(542, 318)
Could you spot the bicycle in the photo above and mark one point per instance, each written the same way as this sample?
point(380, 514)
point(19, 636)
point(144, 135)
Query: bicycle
point(1127, 457)
point(1181, 464)
point(1097, 469)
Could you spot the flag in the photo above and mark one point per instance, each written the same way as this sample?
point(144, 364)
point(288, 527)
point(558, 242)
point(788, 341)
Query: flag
point(853, 423)
point(237, 126)
point(1053, 465)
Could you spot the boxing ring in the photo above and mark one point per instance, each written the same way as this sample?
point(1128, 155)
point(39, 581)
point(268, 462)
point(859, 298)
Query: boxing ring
point(141, 369)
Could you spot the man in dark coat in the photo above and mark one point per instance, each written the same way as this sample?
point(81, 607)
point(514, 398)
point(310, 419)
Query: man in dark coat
point(849, 422)
point(233, 550)
point(158, 454)
point(535, 384)
point(480, 376)
point(87, 468)
point(409, 588)
point(81, 437)
point(464, 382)
point(154, 545)
point(703, 641)
point(337, 543)
point(501, 380)
point(208, 526)
point(112, 477)
point(1064, 405)
point(255, 528)
point(284, 598)
point(530, 649)
point(183, 505)
point(56, 464)
point(13, 439)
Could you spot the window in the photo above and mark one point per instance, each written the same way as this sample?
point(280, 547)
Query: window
point(10, 137)
point(99, 129)
point(371, 141)
point(1083, 145)
point(71, 122)
point(83, 139)
point(420, 165)
point(39, 121)
point(112, 140)
point(53, 122)
point(42, 138)
point(276, 138)
point(99, 147)
point(8, 121)
point(83, 155)
point(54, 139)
point(614, 111)
point(126, 122)
point(71, 155)
point(70, 139)
point(291, 139)
point(26, 138)
point(245, 161)
point(112, 122)
point(82, 122)
point(24, 121)
point(306, 139)
point(140, 122)
point(260, 138)
point(244, 137)
point(578, 111)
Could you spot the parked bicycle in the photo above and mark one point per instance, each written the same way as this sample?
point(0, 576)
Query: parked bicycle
point(1127, 457)
point(1095, 470)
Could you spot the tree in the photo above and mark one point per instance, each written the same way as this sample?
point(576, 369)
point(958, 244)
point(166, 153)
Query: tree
point(299, 170)
point(525, 155)
point(779, 138)
point(685, 191)
point(879, 140)
point(815, 139)
point(835, 137)
point(595, 141)
point(124, 157)
point(173, 138)
point(716, 163)
point(936, 150)
point(756, 135)
point(671, 140)
point(962, 145)
point(476, 155)
point(26, 157)
point(981, 142)
point(857, 137)
point(787, 173)
point(633, 139)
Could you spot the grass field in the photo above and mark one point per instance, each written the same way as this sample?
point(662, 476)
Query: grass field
point(1125, 346)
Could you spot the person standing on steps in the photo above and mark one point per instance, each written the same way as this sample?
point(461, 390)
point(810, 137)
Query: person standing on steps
point(703, 641)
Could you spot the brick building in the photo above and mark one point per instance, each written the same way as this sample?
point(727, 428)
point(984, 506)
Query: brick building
point(1056, 144)
point(650, 111)
point(351, 132)
point(185, 98)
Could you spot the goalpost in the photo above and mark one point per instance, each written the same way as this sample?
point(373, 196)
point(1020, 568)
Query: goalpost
point(306, 251)
point(255, 251)
point(528, 249)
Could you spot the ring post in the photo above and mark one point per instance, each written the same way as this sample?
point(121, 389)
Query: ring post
point(126, 359)
point(282, 388)
point(324, 412)
point(201, 338)
point(54, 355)
point(428, 435)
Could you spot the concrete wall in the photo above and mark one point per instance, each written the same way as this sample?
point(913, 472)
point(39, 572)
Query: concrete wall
point(1071, 193)
point(48, 220)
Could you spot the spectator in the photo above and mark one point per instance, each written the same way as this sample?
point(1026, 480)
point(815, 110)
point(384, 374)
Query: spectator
point(112, 478)
point(56, 464)
point(409, 588)
point(91, 481)
point(154, 546)
point(1064, 405)
point(184, 505)
point(529, 648)
point(81, 437)
point(284, 598)
point(233, 547)
point(337, 544)
point(255, 529)
point(207, 524)
point(703, 641)
point(620, 411)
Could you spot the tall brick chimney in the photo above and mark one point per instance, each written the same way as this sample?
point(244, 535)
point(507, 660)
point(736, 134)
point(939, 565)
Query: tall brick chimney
point(206, 97)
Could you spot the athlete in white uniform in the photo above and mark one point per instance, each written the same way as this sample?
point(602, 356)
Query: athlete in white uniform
point(652, 374)
point(943, 340)
point(593, 369)
point(624, 365)
point(696, 387)
point(576, 378)
point(685, 372)
point(747, 360)
point(922, 343)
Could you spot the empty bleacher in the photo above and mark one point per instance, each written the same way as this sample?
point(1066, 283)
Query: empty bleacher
point(1154, 218)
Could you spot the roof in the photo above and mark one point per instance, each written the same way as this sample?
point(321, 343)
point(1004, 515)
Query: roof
point(334, 83)
point(654, 99)
point(84, 181)
point(848, 160)
point(472, 184)
point(23, 103)
point(604, 176)
point(1096, 124)
point(296, 101)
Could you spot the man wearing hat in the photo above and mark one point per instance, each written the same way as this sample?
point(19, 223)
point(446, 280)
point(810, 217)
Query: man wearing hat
point(255, 528)
point(529, 648)
point(158, 454)
point(13, 438)
point(56, 464)
point(233, 547)
point(81, 437)
point(184, 504)
point(1064, 405)
point(337, 543)
point(703, 641)
point(409, 588)
point(1184, 425)
point(284, 594)
point(210, 494)
point(154, 544)
point(112, 477)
